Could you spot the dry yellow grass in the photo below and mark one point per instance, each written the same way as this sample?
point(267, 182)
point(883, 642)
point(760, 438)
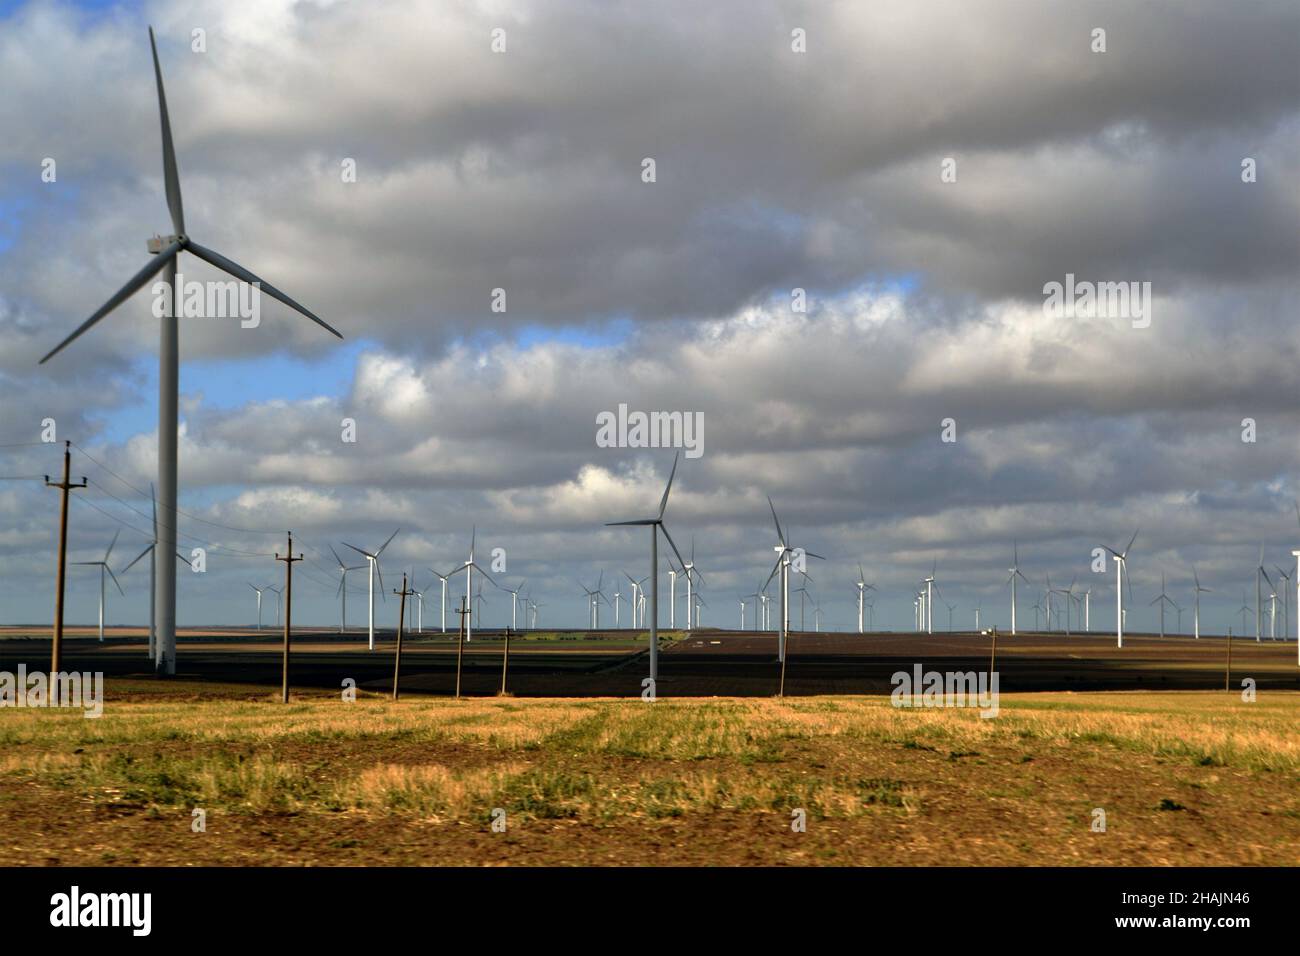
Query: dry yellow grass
point(947, 780)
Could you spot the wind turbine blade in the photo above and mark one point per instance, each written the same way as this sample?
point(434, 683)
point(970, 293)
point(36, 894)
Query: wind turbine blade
point(337, 559)
point(643, 521)
point(775, 568)
point(663, 502)
point(817, 556)
point(387, 543)
point(114, 577)
point(1130, 542)
point(780, 536)
point(122, 294)
point(672, 544)
point(358, 550)
point(239, 272)
point(380, 574)
point(137, 558)
point(111, 544)
point(170, 176)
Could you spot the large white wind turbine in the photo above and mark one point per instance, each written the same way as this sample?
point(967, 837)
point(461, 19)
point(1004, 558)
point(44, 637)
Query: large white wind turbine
point(1121, 576)
point(372, 559)
point(104, 569)
point(656, 525)
point(166, 251)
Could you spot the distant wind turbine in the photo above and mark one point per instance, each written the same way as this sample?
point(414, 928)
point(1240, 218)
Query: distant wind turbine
point(104, 569)
point(469, 567)
point(1196, 613)
point(1259, 607)
point(151, 550)
point(342, 592)
point(782, 566)
point(1015, 573)
point(167, 250)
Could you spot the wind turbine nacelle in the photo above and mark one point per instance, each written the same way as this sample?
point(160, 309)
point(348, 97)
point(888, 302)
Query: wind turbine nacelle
point(158, 243)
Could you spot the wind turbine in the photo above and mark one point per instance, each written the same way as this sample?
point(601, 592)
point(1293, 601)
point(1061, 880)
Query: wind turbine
point(1162, 599)
point(419, 612)
point(699, 603)
point(259, 603)
point(1296, 556)
point(443, 579)
point(277, 590)
point(783, 552)
point(342, 592)
point(689, 568)
point(1069, 596)
point(104, 569)
point(1260, 572)
point(929, 598)
point(1196, 615)
point(656, 525)
point(167, 250)
point(863, 588)
point(672, 596)
point(594, 597)
point(372, 559)
point(153, 577)
point(1015, 573)
point(1121, 575)
point(1286, 601)
point(634, 602)
point(1243, 611)
point(514, 602)
point(469, 567)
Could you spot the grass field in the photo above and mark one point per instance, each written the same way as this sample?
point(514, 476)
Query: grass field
point(1184, 778)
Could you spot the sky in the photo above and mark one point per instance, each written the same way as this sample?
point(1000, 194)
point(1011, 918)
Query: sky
point(921, 170)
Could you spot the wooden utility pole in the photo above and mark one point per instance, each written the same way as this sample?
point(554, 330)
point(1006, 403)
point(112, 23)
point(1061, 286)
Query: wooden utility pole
point(288, 560)
point(56, 647)
point(401, 614)
point(460, 643)
point(505, 662)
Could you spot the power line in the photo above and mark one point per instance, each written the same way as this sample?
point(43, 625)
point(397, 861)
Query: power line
point(192, 517)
